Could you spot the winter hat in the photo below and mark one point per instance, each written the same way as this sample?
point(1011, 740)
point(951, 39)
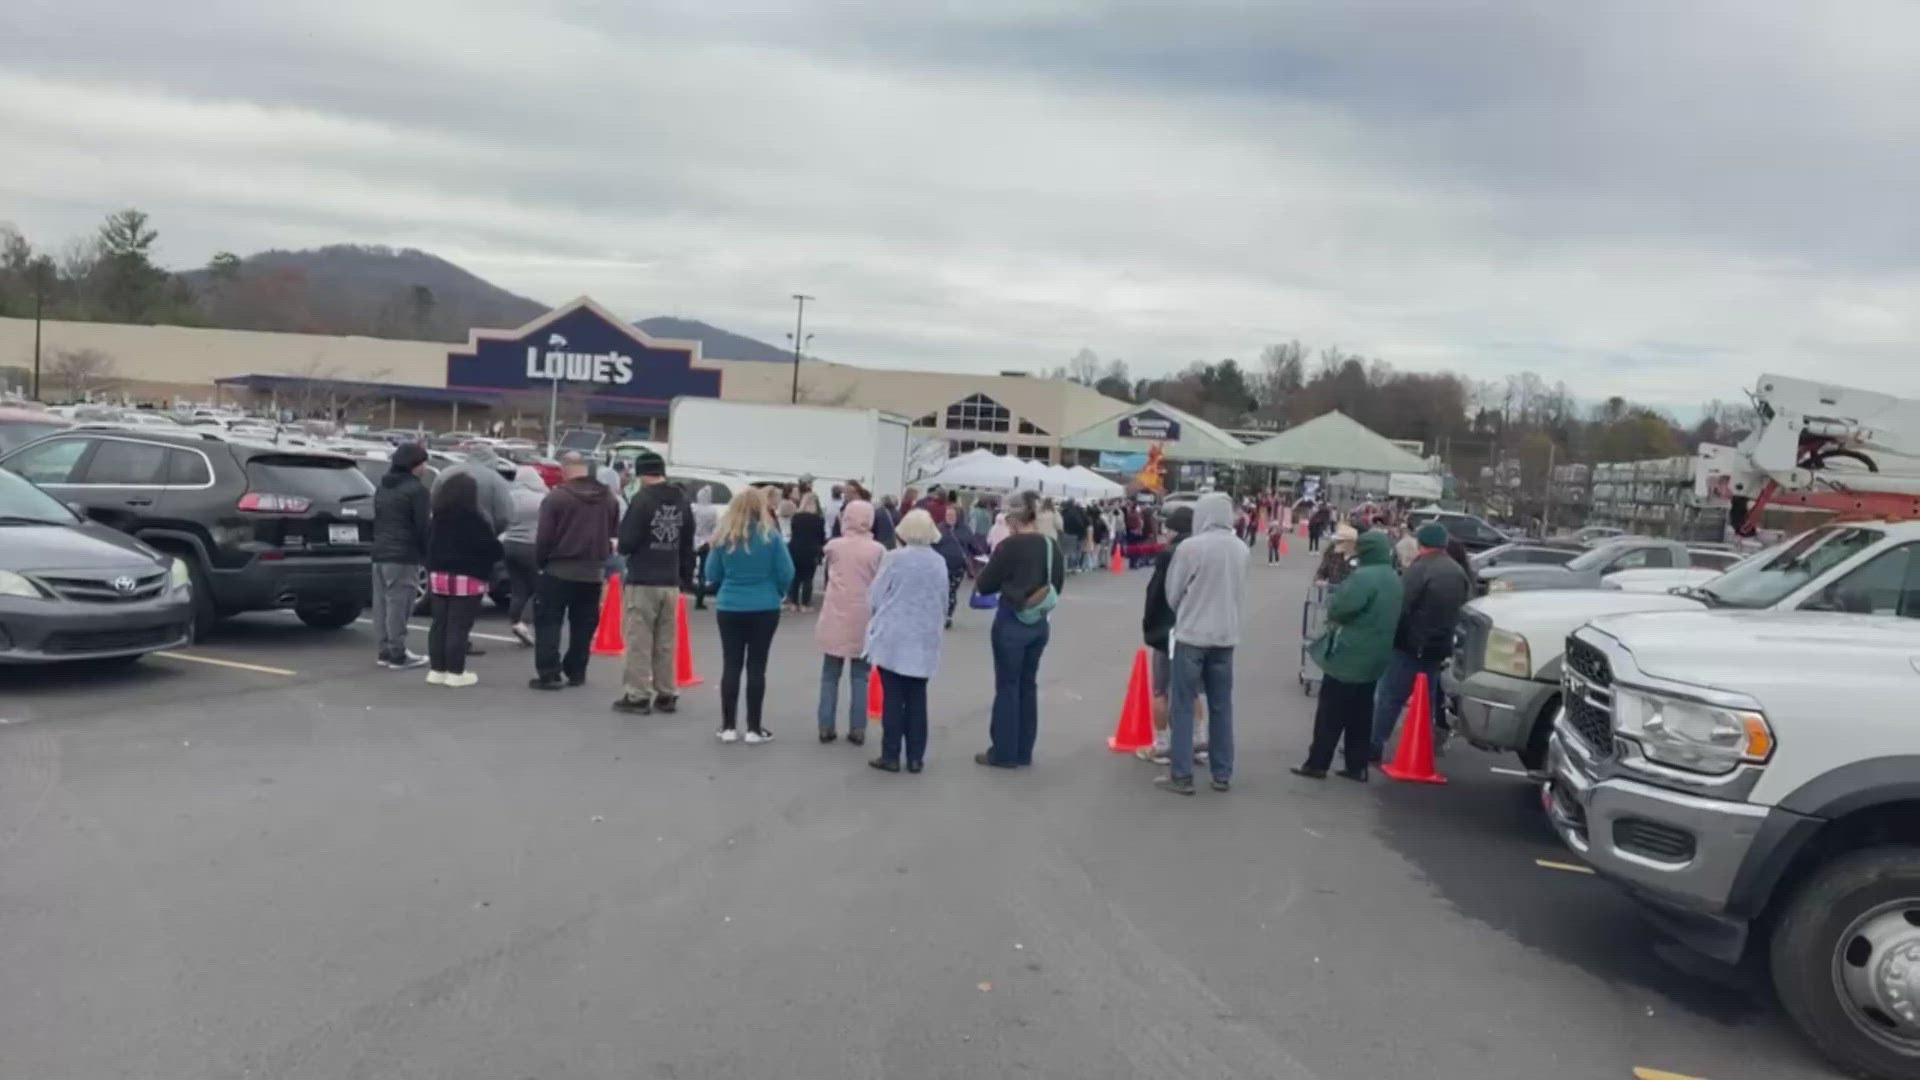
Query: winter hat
point(408, 456)
point(1431, 535)
point(648, 463)
point(1180, 521)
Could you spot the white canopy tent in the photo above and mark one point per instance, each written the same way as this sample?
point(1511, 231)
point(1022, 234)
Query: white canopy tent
point(1095, 486)
point(987, 471)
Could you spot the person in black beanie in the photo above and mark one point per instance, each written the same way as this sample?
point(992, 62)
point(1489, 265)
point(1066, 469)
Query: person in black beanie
point(400, 527)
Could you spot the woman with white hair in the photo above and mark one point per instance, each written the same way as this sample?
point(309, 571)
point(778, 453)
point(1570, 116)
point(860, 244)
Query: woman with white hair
point(908, 598)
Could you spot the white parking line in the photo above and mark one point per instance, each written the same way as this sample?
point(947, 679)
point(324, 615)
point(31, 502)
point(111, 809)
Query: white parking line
point(235, 664)
point(423, 629)
point(1549, 864)
point(1521, 773)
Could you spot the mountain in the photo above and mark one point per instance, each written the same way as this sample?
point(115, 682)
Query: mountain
point(356, 289)
point(715, 342)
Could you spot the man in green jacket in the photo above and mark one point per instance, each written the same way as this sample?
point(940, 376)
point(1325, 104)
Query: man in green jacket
point(1352, 654)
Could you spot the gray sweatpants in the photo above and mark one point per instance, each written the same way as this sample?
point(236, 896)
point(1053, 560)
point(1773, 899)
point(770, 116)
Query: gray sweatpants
point(650, 632)
point(394, 586)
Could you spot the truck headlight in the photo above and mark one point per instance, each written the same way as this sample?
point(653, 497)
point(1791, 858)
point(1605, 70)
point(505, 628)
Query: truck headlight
point(1689, 734)
point(179, 578)
point(1507, 654)
point(1499, 584)
point(12, 584)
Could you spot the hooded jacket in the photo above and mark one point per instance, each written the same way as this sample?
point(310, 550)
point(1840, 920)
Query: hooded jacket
point(656, 536)
point(1207, 577)
point(529, 491)
point(1362, 615)
point(496, 495)
point(1156, 623)
point(401, 514)
point(577, 523)
point(852, 560)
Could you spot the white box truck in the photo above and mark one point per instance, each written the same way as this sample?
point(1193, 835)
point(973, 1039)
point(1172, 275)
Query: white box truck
point(789, 441)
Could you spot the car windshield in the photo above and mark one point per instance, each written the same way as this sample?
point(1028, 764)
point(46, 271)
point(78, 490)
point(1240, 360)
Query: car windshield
point(21, 432)
point(21, 502)
point(1766, 579)
point(1595, 558)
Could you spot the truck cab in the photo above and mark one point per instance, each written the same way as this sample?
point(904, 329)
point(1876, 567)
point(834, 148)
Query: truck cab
point(1752, 778)
point(1503, 687)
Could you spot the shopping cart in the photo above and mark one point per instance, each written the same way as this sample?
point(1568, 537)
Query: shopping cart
point(1313, 619)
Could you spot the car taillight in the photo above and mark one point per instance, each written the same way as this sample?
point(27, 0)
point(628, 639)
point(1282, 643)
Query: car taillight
point(274, 504)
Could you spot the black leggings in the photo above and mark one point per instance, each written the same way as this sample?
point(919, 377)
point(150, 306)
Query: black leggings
point(447, 637)
point(745, 639)
point(955, 575)
point(800, 593)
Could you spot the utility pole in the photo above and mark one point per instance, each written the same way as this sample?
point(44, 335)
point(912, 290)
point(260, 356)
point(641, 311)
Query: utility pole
point(42, 271)
point(799, 340)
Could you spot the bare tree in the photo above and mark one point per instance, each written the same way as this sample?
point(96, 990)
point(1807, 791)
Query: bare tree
point(81, 371)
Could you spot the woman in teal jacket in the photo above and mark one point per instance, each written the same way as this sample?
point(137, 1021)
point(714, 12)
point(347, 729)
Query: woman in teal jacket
point(749, 570)
point(1352, 655)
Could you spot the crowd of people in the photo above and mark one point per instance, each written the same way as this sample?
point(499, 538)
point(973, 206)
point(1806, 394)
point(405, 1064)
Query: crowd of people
point(890, 574)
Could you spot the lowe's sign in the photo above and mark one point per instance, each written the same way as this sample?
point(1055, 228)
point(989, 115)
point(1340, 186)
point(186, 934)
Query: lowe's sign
point(1149, 424)
point(581, 343)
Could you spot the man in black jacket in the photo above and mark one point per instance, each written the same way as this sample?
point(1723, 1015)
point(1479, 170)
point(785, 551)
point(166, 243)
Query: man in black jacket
point(400, 516)
point(1157, 627)
point(570, 548)
point(656, 536)
point(1073, 535)
point(1433, 590)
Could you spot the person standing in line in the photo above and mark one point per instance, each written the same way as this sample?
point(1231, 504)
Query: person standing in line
point(1206, 578)
point(1316, 526)
point(1275, 529)
point(885, 516)
point(495, 493)
point(706, 517)
point(1049, 521)
point(1073, 534)
point(571, 546)
point(852, 560)
point(830, 510)
point(750, 569)
point(1352, 655)
point(809, 539)
point(1433, 590)
point(1156, 626)
point(656, 539)
point(401, 521)
point(935, 503)
point(1336, 562)
point(954, 553)
point(903, 639)
point(1027, 571)
point(980, 516)
point(1099, 534)
point(529, 491)
point(1406, 547)
point(461, 552)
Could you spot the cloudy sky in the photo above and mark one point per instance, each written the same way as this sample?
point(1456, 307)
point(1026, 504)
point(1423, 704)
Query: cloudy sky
point(1658, 199)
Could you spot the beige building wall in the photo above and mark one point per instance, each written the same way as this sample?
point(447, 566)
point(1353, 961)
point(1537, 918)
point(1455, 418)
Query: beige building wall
point(164, 362)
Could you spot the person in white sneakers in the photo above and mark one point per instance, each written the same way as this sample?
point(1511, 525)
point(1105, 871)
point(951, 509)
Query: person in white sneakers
point(461, 552)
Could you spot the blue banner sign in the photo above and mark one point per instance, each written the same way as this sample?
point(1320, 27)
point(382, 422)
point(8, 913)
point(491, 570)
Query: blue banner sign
point(582, 345)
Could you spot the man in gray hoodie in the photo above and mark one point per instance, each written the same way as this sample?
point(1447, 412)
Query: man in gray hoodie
point(1205, 581)
point(496, 492)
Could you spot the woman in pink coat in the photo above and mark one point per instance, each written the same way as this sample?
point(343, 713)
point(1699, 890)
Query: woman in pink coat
point(851, 560)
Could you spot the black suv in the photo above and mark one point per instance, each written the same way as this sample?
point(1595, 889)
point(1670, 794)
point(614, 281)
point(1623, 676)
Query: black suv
point(259, 526)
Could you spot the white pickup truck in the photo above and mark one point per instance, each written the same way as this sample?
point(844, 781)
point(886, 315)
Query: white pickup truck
point(1753, 779)
point(1503, 686)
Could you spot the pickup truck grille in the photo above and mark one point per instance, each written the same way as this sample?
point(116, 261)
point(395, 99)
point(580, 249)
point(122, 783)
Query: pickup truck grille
point(1589, 663)
point(1593, 724)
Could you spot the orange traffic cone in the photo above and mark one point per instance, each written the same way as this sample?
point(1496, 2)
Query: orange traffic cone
point(1283, 542)
point(1300, 527)
point(683, 674)
point(875, 697)
point(1114, 564)
point(1413, 754)
point(1135, 726)
point(608, 639)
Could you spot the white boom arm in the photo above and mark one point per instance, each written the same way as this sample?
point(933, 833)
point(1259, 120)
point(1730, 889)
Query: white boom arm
point(1818, 445)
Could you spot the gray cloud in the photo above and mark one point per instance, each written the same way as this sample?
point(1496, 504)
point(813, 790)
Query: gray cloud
point(1654, 200)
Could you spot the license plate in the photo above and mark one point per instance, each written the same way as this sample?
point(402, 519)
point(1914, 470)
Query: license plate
point(343, 534)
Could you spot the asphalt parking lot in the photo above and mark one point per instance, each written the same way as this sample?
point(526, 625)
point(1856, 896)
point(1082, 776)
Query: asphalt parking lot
point(265, 857)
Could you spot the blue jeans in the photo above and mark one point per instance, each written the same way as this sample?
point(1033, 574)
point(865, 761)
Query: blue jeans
point(1197, 668)
point(1016, 687)
point(830, 668)
point(1395, 687)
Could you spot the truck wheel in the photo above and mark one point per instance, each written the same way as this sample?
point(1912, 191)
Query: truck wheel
point(1846, 961)
point(1534, 754)
point(328, 616)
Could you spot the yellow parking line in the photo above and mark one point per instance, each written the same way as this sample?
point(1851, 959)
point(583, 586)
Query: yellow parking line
point(235, 664)
point(1570, 868)
point(1659, 1074)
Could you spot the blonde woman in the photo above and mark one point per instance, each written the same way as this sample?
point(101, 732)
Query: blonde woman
point(749, 569)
